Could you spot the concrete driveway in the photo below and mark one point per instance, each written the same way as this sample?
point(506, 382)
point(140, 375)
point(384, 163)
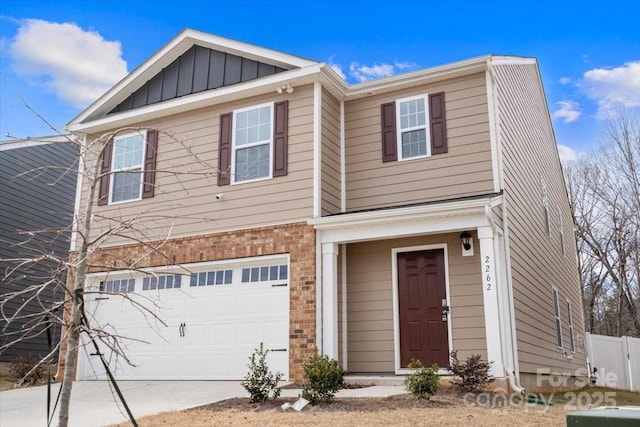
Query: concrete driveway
point(93, 403)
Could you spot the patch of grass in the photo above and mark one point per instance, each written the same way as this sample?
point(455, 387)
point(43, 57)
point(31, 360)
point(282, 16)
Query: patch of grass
point(593, 396)
point(6, 382)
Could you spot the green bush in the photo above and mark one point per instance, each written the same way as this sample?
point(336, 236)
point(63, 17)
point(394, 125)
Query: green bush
point(260, 381)
point(423, 382)
point(323, 378)
point(471, 375)
point(20, 367)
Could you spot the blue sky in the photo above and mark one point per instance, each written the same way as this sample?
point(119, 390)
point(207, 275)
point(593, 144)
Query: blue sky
point(60, 55)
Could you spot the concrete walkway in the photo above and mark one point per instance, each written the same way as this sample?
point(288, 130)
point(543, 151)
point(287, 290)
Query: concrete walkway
point(93, 404)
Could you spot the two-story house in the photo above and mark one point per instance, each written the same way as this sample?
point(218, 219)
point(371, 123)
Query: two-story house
point(267, 200)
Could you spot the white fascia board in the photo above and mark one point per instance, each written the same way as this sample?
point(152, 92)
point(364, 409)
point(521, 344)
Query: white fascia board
point(247, 50)
point(406, 221)
point(513, 60)
point(35, 142)
point(198, 100)
point(171, 51)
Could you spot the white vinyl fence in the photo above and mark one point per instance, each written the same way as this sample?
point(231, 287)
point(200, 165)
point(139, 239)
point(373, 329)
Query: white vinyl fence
point(617, 361)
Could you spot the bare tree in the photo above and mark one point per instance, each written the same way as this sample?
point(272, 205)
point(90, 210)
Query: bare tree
point(604, 191)
point(93, 231)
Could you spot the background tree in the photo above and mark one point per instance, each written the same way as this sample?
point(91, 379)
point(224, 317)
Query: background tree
point(92, 232)
point(604, 192)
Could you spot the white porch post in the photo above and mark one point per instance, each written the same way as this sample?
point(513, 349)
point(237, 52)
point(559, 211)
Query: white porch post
point(330, 300)
point(490, 297)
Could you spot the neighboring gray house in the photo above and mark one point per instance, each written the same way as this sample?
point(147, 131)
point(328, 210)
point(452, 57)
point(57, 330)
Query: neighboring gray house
point(37, 191)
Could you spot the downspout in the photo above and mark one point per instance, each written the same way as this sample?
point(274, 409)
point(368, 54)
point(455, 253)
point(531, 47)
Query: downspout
point(514, 381)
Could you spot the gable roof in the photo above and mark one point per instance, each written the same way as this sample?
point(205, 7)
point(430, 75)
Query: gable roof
point(224, 56)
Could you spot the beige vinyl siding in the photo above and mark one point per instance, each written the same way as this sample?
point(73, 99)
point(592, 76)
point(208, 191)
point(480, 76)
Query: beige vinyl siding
point(464, 171)
point(186, 180)
point(330, 165)
point(370, 342)
point(529, 153)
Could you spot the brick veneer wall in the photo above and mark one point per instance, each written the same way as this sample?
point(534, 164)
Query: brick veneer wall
point(297, 239)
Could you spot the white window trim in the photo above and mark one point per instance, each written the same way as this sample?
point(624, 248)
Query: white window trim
point(426, 126)
point(112, 180)
point(557, 319)
point(546, 219)
point(271, 105)
point(563, 250)
point(572, 338)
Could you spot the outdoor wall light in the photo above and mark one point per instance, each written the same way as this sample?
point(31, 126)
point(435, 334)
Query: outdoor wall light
point(466, 240)
point(285, 87)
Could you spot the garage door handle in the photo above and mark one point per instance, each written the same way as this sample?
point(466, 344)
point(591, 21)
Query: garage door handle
point(279, 349)
point(281, 284)
point(101, 298)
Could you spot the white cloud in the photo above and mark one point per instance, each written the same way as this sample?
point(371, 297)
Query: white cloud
point(613, 87)
point(567, 154)
point(565, 80)
point(362, 73)
point(77, 65)
point(568, 111)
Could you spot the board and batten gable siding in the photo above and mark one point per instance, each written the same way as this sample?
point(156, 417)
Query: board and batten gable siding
point(185, 201)
point(330, 165)
point(465, 170)
point(370, 342)
point(530, 155)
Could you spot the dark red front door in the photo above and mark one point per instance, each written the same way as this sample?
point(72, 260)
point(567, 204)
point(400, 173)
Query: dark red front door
point(422, 298)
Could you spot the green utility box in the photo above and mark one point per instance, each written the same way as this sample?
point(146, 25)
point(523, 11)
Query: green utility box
point(615, 416)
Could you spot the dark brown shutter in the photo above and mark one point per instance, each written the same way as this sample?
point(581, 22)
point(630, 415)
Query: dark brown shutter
point(280, 132)
point(105, 171)
point(149, 186)
point(438, 123)
point(224, 149)
point(389, 138)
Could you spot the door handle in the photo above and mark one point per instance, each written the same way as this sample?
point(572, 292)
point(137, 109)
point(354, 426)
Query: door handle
point(181, 329)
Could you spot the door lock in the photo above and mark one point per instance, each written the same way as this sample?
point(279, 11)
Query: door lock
point(445, 314)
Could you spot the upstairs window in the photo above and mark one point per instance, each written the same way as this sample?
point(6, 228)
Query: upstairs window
point(128, 152)
point(412, 132)
point(414, 127)
point(128, 168)
point(252, 139)
point(561, 231)
point(253, 143)
point(545, 206)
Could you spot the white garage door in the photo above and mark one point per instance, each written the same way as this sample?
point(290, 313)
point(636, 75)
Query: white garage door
point(199, 323)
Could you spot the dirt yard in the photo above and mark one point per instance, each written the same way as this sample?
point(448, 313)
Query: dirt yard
point(447, 408)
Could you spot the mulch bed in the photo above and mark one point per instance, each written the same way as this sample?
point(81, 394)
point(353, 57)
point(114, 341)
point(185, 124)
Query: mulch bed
point(444, 398)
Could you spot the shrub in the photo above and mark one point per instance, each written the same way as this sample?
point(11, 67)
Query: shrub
point(423, 382)
point(471, 375)
point(20, 367)
point(260, 381)
point(323, 378)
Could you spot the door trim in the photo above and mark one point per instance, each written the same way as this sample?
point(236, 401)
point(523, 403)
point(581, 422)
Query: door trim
point(396, 314)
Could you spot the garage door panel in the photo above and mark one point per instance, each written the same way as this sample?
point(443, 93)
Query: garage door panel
point(202, 332)
point(222, 334)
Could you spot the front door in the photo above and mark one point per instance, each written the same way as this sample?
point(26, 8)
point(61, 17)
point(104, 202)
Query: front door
point(422, 299)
